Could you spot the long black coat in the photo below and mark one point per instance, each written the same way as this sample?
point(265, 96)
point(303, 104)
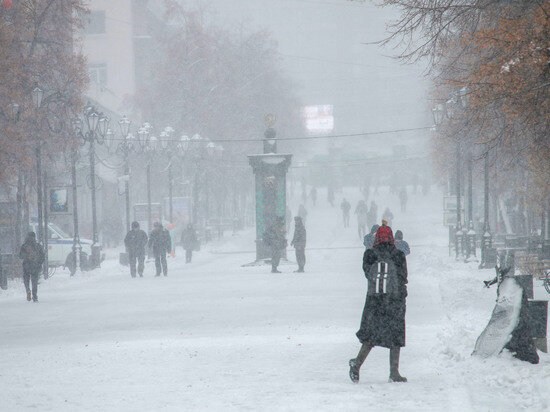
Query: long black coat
point(383, 320)
point(135, 242)
point(189, 238)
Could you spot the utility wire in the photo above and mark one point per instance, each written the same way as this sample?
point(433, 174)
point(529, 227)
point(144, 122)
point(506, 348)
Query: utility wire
point(319, 137)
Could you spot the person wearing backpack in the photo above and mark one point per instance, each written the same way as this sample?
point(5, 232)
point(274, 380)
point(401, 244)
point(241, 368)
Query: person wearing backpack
point(33, 257)
point(383, 320)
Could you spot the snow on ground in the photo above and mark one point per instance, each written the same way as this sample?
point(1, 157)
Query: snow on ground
point(218, 336)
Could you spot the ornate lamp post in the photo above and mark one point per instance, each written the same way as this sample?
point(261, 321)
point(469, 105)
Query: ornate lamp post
point(37, 96)
point(148, 144)
point(125, 148)
point(97, 125)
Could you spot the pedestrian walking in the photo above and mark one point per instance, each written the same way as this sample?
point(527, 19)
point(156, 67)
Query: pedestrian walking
point(383, 320)
point(313, 195)
point(346, 207)
point(368, 240)
point(401, 244)
point(189, 241)
point(403, 198)
point(372, 216)
point(361, 211)
point(135, 242)
point(299, 243)
point(160, 243)
point(274, 238)
point(330, 196)
point(33, 257)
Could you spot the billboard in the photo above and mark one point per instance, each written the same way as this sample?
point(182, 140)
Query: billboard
point(319, 119)
point(59, 200)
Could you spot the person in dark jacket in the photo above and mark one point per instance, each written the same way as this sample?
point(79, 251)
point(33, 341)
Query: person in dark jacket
point(401, 244)
point(161, 243)
point(383, 320)
point(368, 240)
point(274, 238)
point(189, 241)
point(33, 257)
point(346, 207)
point(299, 243)
point(135, 242)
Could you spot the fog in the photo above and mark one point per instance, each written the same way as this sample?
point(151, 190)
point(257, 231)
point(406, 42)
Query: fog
point(274, 205)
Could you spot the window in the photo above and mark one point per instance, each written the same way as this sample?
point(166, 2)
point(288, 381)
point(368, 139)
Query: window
point(98, 74)
point(95, 23)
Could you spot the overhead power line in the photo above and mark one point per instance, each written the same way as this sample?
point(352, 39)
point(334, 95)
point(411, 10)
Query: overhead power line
point(319, 137)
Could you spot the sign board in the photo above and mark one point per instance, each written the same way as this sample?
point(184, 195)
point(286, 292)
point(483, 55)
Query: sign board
point(449, 203)
point(319, 119)
point(141, 211)
point(59, 200)
point(449, 218)
point(181, 209)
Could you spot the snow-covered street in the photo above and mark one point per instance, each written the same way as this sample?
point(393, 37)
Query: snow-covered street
point(214, 335)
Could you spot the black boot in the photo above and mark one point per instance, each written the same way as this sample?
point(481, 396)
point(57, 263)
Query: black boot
point(354, 370)
point(355, 364)
point(394, 366)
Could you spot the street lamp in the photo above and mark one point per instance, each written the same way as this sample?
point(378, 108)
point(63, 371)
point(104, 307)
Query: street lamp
point(148, 145)
point(97, 126)
point(126, 147)
point(77, 247)
point(37, 95)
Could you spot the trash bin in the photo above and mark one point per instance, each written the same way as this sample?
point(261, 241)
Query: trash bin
point(123, 259)
point(526, 282)
point(538, 311)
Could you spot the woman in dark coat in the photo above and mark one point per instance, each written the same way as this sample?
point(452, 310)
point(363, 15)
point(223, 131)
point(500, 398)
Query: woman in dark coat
point(383, 320)
point(189, 241)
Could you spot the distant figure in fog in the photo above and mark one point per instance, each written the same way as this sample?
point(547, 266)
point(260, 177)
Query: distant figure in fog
point(361, 211)
point(368, 240)
point(274, 238)
point(302, 212)
point(161, 243)
point(299, 243)
point(373, 213)
point(388, 216)
point(346, 207)
point(400, 244)
point(403, 198)
point(33, 257)
point(330, 195)
point(383, 319)
point(189, 241)
point(135, 242)
point(313, 195)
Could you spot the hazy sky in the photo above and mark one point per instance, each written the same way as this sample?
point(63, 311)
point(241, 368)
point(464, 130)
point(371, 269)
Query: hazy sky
point(321, 46)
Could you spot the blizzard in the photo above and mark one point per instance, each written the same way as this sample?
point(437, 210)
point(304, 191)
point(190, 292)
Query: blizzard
point(215, 335)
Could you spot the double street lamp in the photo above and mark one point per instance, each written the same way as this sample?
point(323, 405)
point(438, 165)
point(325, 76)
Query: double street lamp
point(96, 127)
